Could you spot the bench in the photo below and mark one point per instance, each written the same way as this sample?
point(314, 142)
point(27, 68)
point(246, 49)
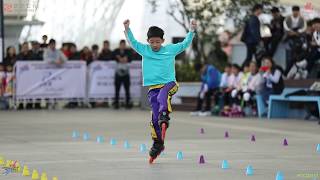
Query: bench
point(279, 104)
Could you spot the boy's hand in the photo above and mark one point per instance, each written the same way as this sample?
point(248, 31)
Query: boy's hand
point(126, 24)
point(193, 25)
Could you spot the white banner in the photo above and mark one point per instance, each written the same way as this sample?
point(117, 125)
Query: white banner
point(101, 80)
point(40, 80)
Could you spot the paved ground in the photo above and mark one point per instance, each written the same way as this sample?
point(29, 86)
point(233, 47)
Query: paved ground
point(42, 140)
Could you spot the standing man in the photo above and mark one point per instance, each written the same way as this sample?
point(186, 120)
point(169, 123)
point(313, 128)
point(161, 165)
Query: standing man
point(251, 35)
point(122, 75)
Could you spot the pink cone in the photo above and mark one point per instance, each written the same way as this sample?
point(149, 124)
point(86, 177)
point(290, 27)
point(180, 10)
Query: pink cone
point(201, 160)
point(285, 142)
point(226, 134)
point(253, 138)
point(201, 131)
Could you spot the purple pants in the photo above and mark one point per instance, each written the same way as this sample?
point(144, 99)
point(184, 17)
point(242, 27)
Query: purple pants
point(160, 101)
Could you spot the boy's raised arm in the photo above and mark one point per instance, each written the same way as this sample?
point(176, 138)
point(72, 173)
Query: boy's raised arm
point(180, 47)
point(137, 46)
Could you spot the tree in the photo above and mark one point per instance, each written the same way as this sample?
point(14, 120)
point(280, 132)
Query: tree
point(211, 15)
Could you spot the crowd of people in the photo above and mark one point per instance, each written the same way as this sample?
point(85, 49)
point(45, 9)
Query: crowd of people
point(300, 36)
point(47, 52)
point(233, 91)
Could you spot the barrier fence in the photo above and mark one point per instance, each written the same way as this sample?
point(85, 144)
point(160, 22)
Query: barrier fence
point(72, 81)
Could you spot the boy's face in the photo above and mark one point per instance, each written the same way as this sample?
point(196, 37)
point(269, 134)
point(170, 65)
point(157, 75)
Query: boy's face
point(234, 70)
point(155, 43)
point(316, 27)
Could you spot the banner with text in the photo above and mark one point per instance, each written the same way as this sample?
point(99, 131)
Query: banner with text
point(40, 80)
point(101, 80)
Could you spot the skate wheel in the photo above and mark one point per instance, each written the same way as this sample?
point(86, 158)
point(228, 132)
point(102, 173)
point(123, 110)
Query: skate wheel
point(151, 159)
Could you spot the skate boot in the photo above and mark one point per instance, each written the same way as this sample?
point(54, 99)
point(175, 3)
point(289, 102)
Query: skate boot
point(156, 149)
point(164, 118)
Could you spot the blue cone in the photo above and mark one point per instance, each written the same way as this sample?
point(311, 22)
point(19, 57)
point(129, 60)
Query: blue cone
point(279, 175)
point(179, 155)
point(75, 134)
point(100, 139)
point(126, 145)
point(86, 136)
point(113, 141)
point(143, 148)
point(318, 148)
point(225, 164)
point(249, 171)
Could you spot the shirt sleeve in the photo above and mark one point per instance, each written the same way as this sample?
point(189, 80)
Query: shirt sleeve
point(181, 46)
point(275, 77)
point(137, 46)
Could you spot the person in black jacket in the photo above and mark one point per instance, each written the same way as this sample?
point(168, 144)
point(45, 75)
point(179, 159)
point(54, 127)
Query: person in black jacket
point(251, 35)
point(277, 31)
point(106, 53)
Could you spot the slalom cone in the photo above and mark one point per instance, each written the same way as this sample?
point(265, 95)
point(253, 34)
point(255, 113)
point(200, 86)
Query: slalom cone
point(201, 131)
point(86, 136)
point(35, 175)
point(113, 141)
point(285, 142)
point(143, 148)
point(318, 148)
point(179, 155)
point(2, 161)
point(75, 134)
point(126, 145)
point(249, 171)
point(253, 138)
point(279, 175)
point(225, 164)
point(44, 176)
point(100, 139)
point(8, 163)
point(226, 134)
point(54, 178)
point(25, 171)
point(201, 160)
point(18, 167)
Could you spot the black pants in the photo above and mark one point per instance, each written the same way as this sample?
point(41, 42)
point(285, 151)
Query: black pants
point(251, 50)
point(119, 80)
point(207, 99)
point(273, 45)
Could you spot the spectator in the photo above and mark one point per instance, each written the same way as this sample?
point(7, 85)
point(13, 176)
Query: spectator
point(273, 79)
point(10, 58)
point(210, 78)
point(74, 54)
point(52, 55)
point(95, 52)
point(241, 86)
point(314, 55)
point(44, 44)
point(36, 53)
point(66, 50)
point(24, 52)
point(86, 55)
point(294, 26)
point(225, 76)
point(255, 83)
point(106, 53)
point(251, 34)
point(134, 55)
point(122, 75)
point(276, 27)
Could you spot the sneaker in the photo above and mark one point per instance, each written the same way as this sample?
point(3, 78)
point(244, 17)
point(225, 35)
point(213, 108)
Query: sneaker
point(195, 113)
point(205, 113)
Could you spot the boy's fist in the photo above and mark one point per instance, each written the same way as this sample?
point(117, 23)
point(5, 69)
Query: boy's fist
point(193, 25)
point(126, 23)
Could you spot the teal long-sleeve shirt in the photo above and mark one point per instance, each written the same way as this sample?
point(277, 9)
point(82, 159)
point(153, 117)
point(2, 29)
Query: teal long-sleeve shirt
point(158, 67)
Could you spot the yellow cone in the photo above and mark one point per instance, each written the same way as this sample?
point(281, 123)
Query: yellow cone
point(54, 178)
point(18, 167)
point(35, 175)
point(1, 160)
point(25, 171)
point(44, 176)
point(8, 163)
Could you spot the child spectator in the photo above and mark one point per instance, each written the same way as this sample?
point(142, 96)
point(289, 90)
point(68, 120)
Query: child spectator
point(210, 78)
point(86, 55)
point(95, 52)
